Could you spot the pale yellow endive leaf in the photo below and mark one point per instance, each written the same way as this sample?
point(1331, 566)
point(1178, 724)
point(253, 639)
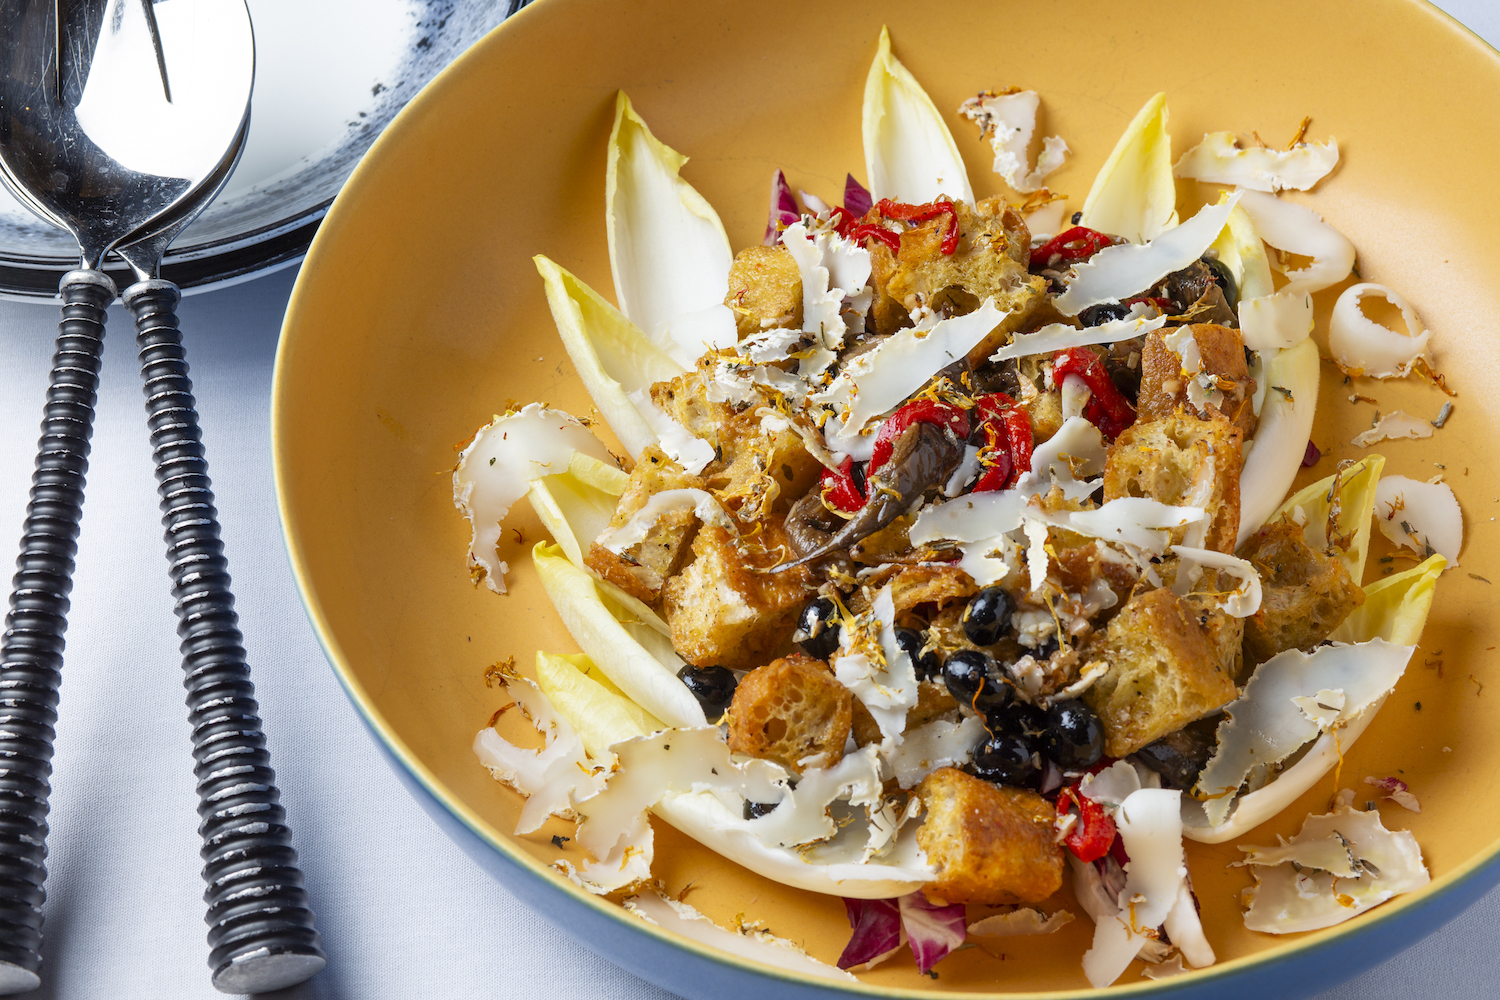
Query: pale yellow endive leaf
point(598, 711)
point(1134, 195)
point(1280, 443)
point(1242, 250)
point(910, 155)
point(1356, 510)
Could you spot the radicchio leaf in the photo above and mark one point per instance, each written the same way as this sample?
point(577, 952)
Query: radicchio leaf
point(877, 932)
point(784, 209)
point(933, 931)
point(857, 200)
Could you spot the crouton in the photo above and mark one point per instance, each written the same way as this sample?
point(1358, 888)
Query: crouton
point(1164, 672)
point(990, 262)
point(988, 844)
point(933, 702)
point(1182, 461)
point(642, 569)
point(724, 609)
point(1305, 594)
point(790, 710)
point(765, 290)
point(1164, 390)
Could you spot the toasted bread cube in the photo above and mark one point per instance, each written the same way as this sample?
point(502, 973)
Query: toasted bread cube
point(933, 702)
point(1305, 594)
point(989, 844)
point(1164, 390)
point(1183, 462)
point(643, 569)
point(724, 609)
point(765, 290)
point(789, 710)
point(1165, 671)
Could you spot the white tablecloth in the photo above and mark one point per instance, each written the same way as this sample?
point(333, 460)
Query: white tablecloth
point(403, 913)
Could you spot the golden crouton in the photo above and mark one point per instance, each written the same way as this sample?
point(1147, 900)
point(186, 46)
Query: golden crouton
point(933, 702)
point(765, 290)
point(938, 585)
point(789, 710)
point(990, 262)
point(1164, 390)
point(1305, 593)
point(1183, 462)
point(1164, 672)
point(643, 569)
point(988, 844)
point(723, 609)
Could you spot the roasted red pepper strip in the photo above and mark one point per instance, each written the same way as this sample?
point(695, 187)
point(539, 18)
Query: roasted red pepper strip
point(1107, 410)
point(1078, 243)
point(889, 237)
point(921, 213)
point(1008, 437)
point(843, 220)
point(1094, 834)
point(840, 489)
point(920, 411)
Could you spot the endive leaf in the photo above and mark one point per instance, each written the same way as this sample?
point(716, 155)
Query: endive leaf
point(597, 710)
point(573, 512)
point(1356, 509)
point(667, 248)
point(910, 155)
point(611, 355)
point(1280, 443)
point(1241, 249)
point(1134, 195)
point(1395, 610)
point(639, 659)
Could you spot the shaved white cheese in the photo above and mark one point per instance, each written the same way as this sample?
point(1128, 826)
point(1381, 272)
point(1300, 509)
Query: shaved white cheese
point(668, 251)
point(1301, 231)
point(1010, 122)
point(1186, 930)
point(937, 744)
point(497, 468)
point(1166, 969)
point(1047, 221)
point(753, 943)
point(1057, 336)
point(1276, 322)
point(834, 270)
point(1117, 272)
point(700, 502)
point(1112, 785)
point(872, 665)
point(910, 155)
point(1241, 602)
point(1023, 920)
point(1424, 517)
point(1362, 346)
point(1134, 521)
point(1280, 442)
point(1323, 708)
point(1218, 159)
point(611, 355)
point(770, 345)
point(991, 560)
point(1288, 901)
point(1398, 424)
point(1077, 449)
point(1075, 393)
point(1134, 195)
point(692, 452)
point(551, 777)
point(969, 518)
point(1036, 552)
point(884, 377)
point(967, 471)
point(1266, 726)
point(1330, 854)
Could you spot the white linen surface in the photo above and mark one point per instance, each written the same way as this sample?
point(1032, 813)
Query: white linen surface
point(402, 911)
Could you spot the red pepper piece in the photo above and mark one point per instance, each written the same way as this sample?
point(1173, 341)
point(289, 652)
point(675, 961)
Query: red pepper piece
point(890, 238)
point(1107, 410)
point(1008, 436)
point(843, 220)
point(920, 411)
point(840, 489)
point(921, 213)
point(1093, 835)
point(1078, 243)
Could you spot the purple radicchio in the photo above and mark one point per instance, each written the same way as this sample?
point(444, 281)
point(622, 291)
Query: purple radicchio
point(877, 933)
point(932, 931)
point(857, 200)
point(881, 926)
point(784, 210)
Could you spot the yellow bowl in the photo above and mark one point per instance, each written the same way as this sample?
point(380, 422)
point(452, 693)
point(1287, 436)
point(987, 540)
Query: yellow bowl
point(418, 314)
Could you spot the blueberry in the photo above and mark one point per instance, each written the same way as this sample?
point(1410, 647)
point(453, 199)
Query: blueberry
point(712, 686)
point(1101, 314)
point(927, 664)
point(973, 678)
point(1073, 738)
point(818, 629)
point(987, 617)
point(1017, 719)
point(1044, 652)
point(1005, 759)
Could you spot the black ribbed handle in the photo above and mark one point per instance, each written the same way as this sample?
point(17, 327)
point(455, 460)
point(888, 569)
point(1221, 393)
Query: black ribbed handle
point(261, 931)
point(31, 653)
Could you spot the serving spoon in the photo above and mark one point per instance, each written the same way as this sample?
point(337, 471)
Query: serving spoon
point(121, 132)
